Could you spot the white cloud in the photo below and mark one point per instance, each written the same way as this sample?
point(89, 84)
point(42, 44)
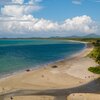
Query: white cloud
point(28, 24)
point(77, 2)
point(13, 10)
point(98, 1)
point(20, 7)
point(18, 1)
point(83, 24)
point(21, 21)
point(4, 1)
point(17, 10)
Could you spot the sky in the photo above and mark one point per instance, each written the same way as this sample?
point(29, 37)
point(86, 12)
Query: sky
point(46, 18)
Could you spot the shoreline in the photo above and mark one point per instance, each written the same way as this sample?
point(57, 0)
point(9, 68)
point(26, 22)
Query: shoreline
point(47, 64)
point(74, 56)
point(67, 75)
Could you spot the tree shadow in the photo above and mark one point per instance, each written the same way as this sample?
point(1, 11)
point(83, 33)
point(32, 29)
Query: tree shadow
point(91, 87)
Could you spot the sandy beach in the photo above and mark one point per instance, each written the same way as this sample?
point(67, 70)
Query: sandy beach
point(57, 81)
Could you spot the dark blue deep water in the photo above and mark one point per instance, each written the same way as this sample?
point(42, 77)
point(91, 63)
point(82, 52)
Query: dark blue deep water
point(18, 55)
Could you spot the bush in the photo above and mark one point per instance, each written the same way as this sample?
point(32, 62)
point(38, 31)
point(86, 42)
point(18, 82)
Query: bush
point(95, 70)
point(95, 54)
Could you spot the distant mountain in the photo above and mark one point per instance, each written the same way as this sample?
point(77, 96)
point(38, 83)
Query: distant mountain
point(72, 36)
point(85, 36)
point(92, 36)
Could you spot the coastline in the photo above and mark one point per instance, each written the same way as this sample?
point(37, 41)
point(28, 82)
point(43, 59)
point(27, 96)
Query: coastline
point(47, 64)
point(49, 77)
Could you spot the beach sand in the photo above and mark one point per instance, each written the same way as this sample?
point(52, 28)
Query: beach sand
point(84, 96)
point(32, 98)
point(53, 81)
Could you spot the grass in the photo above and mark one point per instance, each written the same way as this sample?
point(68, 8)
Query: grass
point(95, 70)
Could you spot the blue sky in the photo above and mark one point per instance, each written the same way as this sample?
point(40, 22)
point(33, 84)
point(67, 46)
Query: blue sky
point(59, 10)
point(43, 18)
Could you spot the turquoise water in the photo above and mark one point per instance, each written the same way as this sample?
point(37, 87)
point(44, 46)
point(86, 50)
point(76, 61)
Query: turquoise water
point(16, 55)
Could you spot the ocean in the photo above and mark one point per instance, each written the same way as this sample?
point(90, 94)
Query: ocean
point(21, 54)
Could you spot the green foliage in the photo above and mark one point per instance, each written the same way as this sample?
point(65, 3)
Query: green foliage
point(95, 54)
point(95, 70)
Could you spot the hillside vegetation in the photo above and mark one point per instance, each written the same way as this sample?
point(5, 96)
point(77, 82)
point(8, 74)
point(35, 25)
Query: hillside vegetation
point(95, 54)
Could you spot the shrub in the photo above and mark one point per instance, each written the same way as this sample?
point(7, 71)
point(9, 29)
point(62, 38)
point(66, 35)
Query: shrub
point(95, 70)
point(95, 54)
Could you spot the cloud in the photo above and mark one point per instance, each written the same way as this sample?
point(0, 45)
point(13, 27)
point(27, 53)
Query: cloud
point(97, 1)
point(4, 1)
point(77, 2)
point(14, 2)
point(17, 19)
point(28, 24)
point(83, 24)
point(20, 7)
point(18, 1)
point(17, 10)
